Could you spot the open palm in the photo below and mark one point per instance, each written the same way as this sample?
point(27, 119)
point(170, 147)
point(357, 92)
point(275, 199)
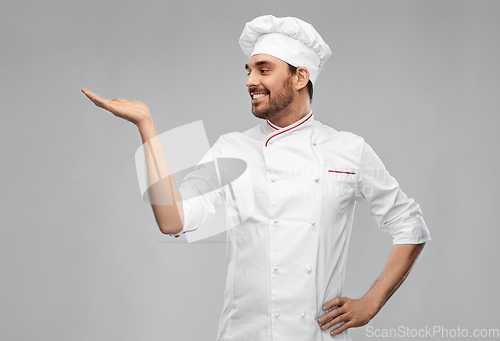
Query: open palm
point(133, 111)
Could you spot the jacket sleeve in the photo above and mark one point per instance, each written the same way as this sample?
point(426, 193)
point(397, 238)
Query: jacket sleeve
point(202, 191)
point(388, 205)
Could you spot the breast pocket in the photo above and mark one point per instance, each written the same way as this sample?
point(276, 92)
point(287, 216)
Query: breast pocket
point(340, 182)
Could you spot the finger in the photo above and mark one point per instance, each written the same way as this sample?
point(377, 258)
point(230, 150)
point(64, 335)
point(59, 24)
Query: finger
point(333, 317)
point(339, 319)
point(120, 100)
point(100, 102)
point(330, 304)
point(107, 104)
point(342, 328)
point(335, 302)
point(95, 101)
point(88, 93)
point(331, 314)
point(92, 96)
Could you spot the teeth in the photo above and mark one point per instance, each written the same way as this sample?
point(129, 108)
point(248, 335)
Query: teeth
point(258, 96)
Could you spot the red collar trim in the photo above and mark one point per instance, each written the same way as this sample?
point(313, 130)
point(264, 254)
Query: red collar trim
point(272, 125)
point(281, 132)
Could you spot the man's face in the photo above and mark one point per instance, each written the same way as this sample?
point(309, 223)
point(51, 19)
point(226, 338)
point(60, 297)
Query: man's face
point(270, 86)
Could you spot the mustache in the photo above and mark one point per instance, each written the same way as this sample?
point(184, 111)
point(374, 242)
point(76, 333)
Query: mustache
point(257, 89)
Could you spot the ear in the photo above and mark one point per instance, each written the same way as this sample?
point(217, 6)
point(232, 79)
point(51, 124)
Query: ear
point(302, 77)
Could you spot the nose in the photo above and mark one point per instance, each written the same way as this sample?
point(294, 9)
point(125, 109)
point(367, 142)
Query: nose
point(252, 80)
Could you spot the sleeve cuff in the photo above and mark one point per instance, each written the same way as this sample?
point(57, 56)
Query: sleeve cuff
point(412, 231)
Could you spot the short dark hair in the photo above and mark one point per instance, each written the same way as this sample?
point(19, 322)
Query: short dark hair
point(293, 70)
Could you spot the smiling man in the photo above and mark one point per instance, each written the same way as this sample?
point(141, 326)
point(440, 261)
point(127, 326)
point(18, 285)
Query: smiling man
point(286, 262)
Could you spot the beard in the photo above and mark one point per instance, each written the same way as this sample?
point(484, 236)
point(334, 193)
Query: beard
point(276, 102)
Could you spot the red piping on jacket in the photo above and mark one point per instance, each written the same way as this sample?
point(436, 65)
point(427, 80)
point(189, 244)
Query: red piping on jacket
point(185, 232)
point(271, 125)
point(334, 171)
point(281, 132)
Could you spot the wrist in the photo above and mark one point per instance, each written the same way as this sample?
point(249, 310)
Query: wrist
point(145, 123)
point(372, 303)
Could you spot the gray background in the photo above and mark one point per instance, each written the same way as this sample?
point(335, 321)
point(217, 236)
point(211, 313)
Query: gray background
point(81, 257)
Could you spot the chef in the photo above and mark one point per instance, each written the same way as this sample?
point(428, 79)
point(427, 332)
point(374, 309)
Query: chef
point(286, 260)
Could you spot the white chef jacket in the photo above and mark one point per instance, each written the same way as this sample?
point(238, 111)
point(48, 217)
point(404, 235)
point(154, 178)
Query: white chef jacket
point(289, 257)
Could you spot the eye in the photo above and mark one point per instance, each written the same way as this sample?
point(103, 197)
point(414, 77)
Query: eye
point(264, 70)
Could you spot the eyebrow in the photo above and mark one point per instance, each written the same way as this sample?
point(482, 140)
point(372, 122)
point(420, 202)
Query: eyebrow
point(260, 62)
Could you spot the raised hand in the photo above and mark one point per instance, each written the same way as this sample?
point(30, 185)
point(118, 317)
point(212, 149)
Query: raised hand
point(133, 111)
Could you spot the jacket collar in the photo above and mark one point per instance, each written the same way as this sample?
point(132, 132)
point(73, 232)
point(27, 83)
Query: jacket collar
point(275, 132)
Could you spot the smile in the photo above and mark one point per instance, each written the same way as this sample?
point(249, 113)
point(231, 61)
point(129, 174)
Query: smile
point(257, 97)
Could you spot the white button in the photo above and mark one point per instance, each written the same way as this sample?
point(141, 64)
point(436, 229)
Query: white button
point(270, 142)
point(314, 143)
point(275, 221)
point(303, 314)
point(276, 268)
point(277, 314)
point(313, 222)
point(309, 269)
point(317, 179)
point(273, 179)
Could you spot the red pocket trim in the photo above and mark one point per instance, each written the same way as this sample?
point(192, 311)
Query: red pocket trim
point(336, 171)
